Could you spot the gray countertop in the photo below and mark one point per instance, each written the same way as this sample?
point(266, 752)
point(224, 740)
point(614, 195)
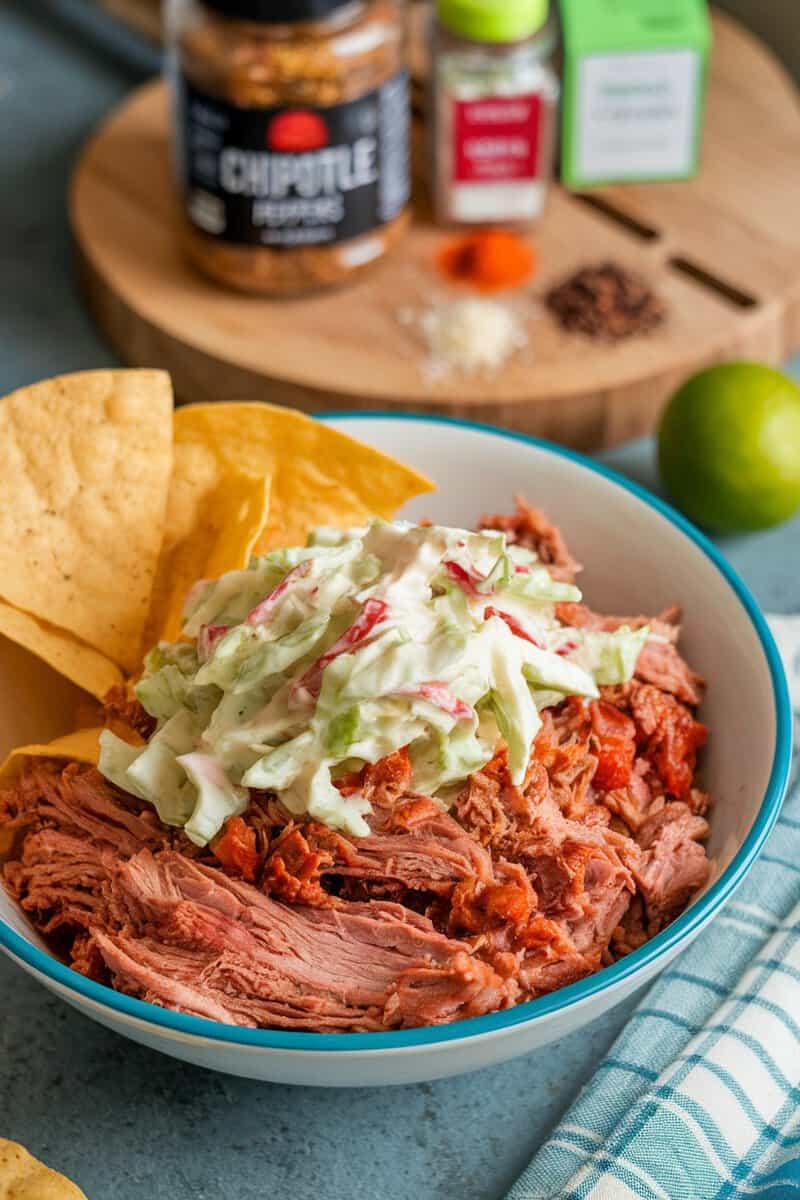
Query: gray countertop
point(124, 1122)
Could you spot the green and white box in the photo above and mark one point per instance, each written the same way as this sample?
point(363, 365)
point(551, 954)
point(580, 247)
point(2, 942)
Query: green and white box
point(634, 89)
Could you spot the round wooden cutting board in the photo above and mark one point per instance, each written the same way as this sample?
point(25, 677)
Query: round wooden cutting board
point(722, 250)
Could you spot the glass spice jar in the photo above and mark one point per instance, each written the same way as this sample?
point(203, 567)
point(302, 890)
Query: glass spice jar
point(291, 140)
point(494, 99)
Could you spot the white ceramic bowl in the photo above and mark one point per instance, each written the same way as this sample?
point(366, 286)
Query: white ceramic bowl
point(639, 556)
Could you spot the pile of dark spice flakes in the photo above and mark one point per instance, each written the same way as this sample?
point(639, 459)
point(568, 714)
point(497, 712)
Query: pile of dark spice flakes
point(606, 302)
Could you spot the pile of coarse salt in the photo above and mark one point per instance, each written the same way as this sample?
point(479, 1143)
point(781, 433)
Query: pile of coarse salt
point(467, 336)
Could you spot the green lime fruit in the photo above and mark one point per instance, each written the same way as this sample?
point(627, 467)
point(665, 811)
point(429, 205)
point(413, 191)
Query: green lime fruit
point(729, 447)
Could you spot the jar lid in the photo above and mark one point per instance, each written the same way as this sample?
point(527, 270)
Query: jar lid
point(493, 20)
point(290, 11)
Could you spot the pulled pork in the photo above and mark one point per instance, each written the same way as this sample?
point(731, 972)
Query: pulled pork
point(529, 527)
point(434, 916)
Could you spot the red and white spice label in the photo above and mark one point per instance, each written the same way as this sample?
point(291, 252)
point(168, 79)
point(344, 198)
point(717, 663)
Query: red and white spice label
point(497, 139)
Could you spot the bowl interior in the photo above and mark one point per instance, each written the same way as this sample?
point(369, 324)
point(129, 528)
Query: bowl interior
point(636, 560)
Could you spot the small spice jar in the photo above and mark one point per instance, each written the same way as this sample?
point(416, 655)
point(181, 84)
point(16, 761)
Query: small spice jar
point(494, 101)
point(291, 137)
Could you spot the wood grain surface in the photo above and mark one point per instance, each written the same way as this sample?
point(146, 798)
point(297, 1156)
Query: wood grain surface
point(723, 251)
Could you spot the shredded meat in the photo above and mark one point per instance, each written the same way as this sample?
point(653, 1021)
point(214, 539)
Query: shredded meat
point(673, 864)
point(631, 933)
point(530, 527)
point(124, 712)
point(435, 915)
point(670, 735)
point(293, 871)
point(660, 663)
point(640, 797)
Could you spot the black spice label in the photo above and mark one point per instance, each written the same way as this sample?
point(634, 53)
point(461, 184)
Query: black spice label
point(288, 177)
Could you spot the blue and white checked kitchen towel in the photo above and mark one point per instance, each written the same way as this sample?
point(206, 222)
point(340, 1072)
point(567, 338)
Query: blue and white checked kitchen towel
point(699, 1098)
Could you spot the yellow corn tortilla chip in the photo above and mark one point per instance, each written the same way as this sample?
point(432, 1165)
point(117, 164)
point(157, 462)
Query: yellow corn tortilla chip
point(83, 746)
point(319, 476)
point(85, 463)
point(23, 1177)
point(81, 664)
point(215, 512)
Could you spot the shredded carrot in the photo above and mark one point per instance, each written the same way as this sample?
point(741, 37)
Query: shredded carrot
point(489, 260)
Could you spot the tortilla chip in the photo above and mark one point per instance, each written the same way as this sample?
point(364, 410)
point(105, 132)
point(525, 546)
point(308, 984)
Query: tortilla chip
point(83, 746)
point(85, 462)
point(23, 1177)
point(319, 476)
point(81, 664)
point(215, 512)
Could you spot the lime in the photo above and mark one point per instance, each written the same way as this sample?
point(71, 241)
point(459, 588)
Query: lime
point(729, 447)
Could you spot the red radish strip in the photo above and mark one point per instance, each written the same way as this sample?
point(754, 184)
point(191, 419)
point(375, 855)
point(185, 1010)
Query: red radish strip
point(374, 612)
point(520, 570)
point(467, 580)
point(514, 625)
point(207, 639)
point(263, 610)
point(567, 648)
point(439, 693)
point(209, 768)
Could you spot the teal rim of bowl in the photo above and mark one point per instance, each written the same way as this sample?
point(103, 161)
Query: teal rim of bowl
point(605, 980)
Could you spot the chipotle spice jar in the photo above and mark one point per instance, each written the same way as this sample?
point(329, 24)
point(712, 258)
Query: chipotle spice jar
point(291, 137)
point(494, 101)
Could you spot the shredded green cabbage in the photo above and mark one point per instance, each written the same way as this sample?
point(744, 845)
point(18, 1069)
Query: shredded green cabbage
point(346, 650)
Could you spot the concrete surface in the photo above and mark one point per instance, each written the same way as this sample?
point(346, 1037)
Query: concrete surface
point(125, 1123)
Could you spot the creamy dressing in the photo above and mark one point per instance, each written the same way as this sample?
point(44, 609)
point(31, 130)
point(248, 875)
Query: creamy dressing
point(323, 658)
